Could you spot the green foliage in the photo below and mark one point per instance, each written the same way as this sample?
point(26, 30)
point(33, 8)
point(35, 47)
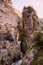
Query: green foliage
point(38, 60)
point(30, 9)
point(20, 27)
point(38, 38)
point(41, 24)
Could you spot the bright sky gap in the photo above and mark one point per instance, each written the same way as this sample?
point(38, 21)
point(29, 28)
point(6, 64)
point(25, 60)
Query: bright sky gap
point(36, 4)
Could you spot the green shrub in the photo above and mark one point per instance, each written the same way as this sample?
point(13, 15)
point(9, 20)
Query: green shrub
point(38, 60)
point(38, 38)
point(20, 27)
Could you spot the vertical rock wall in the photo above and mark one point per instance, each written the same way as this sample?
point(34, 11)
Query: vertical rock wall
point(9, 48)
point(30, 24)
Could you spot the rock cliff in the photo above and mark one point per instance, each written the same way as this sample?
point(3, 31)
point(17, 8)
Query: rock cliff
point(30, 23)
point(9, 34)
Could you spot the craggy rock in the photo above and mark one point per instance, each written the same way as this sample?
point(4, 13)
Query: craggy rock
point(9, 34)
point(34, 56)
point(30, 24)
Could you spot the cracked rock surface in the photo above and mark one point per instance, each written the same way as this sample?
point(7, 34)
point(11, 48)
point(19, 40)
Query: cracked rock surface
point(9, 34)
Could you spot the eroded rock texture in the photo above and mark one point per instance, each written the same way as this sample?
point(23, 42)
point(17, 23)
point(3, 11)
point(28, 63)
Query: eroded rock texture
point(9, 47)
point(30, 24)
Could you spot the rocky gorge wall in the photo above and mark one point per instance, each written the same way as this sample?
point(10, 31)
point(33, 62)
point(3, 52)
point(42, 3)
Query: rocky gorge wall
point(18, 43)
point(32, 49)
point(9, 34)
point(30, 24)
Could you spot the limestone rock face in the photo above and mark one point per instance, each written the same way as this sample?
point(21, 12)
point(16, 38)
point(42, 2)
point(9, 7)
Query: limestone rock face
point(6, 2)
point(30, 24)
point(9, 47)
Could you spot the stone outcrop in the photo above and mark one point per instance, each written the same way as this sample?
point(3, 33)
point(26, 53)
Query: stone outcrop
point(6, 2)
point(9, 34)
point(11, 28)
point(30, 24)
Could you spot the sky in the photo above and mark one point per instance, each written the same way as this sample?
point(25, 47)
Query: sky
point(36, 4)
